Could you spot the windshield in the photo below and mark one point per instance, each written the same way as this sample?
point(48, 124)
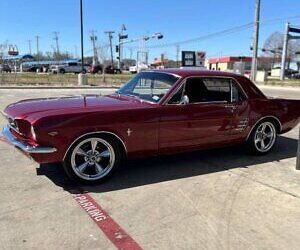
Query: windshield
point(150, 86)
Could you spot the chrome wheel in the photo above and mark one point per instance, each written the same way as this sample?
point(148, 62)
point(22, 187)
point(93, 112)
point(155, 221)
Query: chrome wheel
point(265, 136)
point(92, 159)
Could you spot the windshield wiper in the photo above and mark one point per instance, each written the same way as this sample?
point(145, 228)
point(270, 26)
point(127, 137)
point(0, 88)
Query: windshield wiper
point(127, 94)
point(132, 95)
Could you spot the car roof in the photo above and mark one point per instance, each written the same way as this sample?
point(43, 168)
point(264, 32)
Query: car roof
point(248, 86)
point(195, 72)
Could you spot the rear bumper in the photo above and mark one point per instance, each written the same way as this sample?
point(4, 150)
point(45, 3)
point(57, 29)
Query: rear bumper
point(25, 147)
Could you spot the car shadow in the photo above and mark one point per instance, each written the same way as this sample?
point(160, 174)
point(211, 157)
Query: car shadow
point(165, 168)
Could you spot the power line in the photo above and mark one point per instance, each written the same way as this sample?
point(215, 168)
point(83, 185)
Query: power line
point(223, 32)
point(212, 35)
point(219, 33)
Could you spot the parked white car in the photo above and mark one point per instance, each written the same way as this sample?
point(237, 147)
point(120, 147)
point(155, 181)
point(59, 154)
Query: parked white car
point(70, 67)
point(141, 67)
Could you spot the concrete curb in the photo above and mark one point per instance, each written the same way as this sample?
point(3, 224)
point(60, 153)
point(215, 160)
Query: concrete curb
point(116, 87)
point(278, 87)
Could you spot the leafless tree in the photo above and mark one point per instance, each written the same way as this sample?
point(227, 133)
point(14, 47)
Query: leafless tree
point(102, 52)
point(274, 44)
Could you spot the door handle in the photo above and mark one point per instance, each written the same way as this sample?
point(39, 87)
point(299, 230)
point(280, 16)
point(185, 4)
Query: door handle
point(231, 107)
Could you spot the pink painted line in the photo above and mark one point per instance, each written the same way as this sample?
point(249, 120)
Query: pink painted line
point(3, 139)
point(109, 227)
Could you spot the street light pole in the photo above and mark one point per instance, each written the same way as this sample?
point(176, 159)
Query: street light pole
point(81, 36)
point(255, 41)
point(284, 51)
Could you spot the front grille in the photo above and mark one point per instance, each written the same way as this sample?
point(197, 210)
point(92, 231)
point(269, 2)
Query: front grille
point(11, 122)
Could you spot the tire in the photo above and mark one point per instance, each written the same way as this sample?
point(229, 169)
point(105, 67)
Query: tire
point(91, 165)
point(62, 71)
point(84, 71)
point(263, 138)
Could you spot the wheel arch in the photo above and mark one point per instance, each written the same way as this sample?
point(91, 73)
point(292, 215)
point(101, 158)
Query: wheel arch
point(118, 139)
point(272, 118)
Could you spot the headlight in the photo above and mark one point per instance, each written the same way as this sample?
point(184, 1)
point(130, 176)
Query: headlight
point(25, 128)
point(33, 133)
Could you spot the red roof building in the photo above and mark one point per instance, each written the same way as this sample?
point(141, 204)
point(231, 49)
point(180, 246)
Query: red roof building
point(226, 63)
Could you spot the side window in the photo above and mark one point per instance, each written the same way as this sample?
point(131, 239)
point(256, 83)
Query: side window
point(237, 94)
point(208, 90)
point(176, 98)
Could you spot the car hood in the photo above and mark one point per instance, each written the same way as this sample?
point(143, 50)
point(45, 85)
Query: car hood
point(72, 104)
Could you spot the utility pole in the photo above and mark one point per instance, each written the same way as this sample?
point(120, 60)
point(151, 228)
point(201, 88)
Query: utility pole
point(75, 51)
point(93, 40)
point(56, 42)
point(29, 46)
point(110, 36)
point(130, 53)
point(37, 48)
point(255, 41)
point(177, 55)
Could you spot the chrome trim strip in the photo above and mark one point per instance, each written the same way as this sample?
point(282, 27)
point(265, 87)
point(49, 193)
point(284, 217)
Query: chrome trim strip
point(264, 117)
point(25, 147)
point(96, 132)
point(164, 72)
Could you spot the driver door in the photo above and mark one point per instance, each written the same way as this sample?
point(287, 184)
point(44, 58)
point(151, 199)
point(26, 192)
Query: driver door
point(203, 122)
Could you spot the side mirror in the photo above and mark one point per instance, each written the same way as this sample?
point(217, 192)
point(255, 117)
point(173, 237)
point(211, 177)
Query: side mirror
point(184, 100)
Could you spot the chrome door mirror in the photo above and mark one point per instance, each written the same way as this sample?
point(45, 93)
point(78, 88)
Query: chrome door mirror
point(184, 100)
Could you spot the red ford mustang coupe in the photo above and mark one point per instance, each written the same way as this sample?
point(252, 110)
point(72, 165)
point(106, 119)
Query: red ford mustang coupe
point(156, 112)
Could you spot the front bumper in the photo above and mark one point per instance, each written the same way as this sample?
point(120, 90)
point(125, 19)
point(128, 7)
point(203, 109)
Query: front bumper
point(25, 147)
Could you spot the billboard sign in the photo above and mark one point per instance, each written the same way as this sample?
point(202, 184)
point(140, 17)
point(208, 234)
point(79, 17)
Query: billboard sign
point(188, 58)
point(200, 58)
point(294, 29)
point(13, 50)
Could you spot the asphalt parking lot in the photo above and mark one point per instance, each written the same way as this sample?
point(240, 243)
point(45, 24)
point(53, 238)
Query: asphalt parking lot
point(217, 199)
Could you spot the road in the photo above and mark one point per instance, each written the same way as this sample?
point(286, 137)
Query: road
point(218, 199)
point(286, 92)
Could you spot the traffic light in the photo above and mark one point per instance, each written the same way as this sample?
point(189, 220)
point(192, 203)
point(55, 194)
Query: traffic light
point(123, 37)
point(117, 48)
point(160, 36)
